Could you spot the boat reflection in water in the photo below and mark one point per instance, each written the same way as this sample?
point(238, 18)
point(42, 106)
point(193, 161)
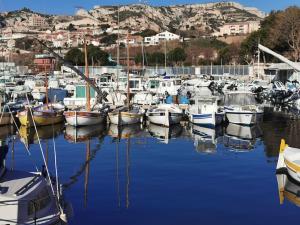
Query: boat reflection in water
point(205, 138)
point(288, 188)
point(126, 131)
point(85, 133)
point(241, 138)
point(164, 134)
point(25, 197)
point(28, 134)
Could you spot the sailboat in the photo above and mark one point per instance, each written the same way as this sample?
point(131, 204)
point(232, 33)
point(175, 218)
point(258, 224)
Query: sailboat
point(42, 115)
point(86, 116)
point(125, 115)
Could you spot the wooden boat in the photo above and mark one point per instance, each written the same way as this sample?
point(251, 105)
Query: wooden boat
point(85, 117)
point(43, 115)
point(122, 116)
point(126, 115)
point(289, 160)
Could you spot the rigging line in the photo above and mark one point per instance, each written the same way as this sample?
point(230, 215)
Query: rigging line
point(41, 148)
point(27, 149)
point(55, 163)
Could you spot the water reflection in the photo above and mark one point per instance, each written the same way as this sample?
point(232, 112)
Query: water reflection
point(29, 136)
point(241, 138)
point(82, 134)
point(164, 134)
point(288, 189)
point(124, 132)
point(205, 138)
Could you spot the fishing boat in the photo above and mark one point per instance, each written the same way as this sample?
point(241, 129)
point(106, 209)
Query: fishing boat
point(85, 116)
point(164, 114)
point(129, 114)
point(43, 115)
point(241, 108)
point(289, 160)
point(205, 111)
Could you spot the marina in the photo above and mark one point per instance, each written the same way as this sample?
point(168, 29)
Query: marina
point(147, 114)
point(130, 173)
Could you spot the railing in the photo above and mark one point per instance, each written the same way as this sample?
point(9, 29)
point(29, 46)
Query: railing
point(214, 70)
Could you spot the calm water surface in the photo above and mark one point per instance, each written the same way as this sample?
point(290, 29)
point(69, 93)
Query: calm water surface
point(153, 175)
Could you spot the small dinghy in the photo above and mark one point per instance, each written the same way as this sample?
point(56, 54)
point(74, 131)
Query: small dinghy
point(164, 114)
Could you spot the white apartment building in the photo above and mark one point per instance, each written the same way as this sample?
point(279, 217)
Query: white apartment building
point(238, 28)
point(164, 36)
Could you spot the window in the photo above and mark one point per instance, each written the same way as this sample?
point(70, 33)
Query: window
point(40, 202)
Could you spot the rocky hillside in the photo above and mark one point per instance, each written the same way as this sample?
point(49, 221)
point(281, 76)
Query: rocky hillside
point(208, 17)
point(181, 17)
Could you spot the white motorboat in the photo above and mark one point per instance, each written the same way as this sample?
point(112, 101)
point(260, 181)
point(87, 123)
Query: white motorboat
point(289, 158)
point(145, 98)
point(164, 114)
point(241, 108)
point(205, 111)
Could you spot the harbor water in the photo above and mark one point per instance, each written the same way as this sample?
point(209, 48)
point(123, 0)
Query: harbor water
point(153, 175)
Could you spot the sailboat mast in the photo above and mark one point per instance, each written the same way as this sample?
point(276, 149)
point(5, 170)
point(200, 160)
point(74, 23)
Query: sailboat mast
point(128, 88)
point(46, 85)
point(88, 97)
point(118, 49)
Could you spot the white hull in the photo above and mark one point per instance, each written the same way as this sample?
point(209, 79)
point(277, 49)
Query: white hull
point(243, 118)
point(207, 119)
point(125, 118)
point(84, 118)
point(163, 119)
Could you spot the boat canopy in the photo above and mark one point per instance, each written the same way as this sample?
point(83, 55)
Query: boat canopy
point(240, 98)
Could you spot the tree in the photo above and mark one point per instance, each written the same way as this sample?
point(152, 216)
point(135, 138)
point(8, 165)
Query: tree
point(229, 54)
point(147, 33)
point(287, 30)
point(177, 55)
point(71, 27)
point(109, 39)
point(97, 57)
point(104, 27)
point(75, 56)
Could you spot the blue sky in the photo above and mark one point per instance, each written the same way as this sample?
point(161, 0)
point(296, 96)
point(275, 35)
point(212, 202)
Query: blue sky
point(68, 6)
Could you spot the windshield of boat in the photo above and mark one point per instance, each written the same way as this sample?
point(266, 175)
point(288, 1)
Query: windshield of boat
point(240, 99)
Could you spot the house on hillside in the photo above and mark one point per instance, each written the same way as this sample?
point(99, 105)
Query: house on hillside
point(238, 28)
point(161, 37)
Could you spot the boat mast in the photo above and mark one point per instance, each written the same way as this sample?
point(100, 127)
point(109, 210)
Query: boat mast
point(46, 85)
point(128, 88)
point(118, 49)
point(88, 97)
